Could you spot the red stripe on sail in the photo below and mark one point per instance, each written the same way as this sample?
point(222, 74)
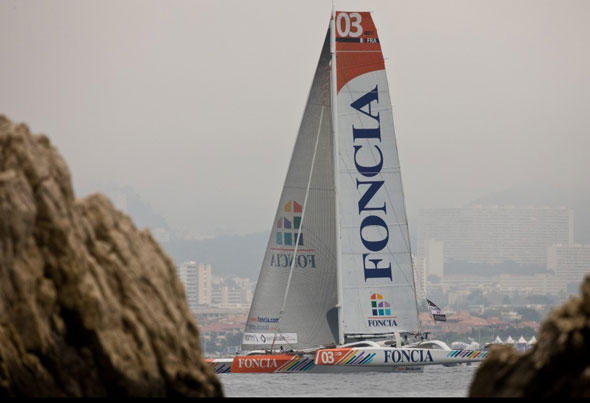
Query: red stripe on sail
point(358, 50)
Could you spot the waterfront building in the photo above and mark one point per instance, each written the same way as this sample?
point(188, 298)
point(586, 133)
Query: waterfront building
point(494, 234)
point(187, 272)
point(231, 292)
point(570, 263)
point(540, 284)
point(205, 287)
point(420, 279)
point(434, 258)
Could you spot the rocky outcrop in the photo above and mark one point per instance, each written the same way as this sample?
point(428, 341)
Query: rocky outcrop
point(558, 365)
point(89, 304)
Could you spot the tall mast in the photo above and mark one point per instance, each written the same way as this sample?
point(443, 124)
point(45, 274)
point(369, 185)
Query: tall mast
point(333, 94)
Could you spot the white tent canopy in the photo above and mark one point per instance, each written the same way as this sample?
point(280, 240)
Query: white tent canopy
point(459, 345)
point(533, 340)
point(510, 340)
point(498, 340)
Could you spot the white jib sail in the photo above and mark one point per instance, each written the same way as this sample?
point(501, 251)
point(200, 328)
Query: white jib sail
point(299, 268)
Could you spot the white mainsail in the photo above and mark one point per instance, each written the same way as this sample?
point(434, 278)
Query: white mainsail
point(375, 259)
point(350, 274)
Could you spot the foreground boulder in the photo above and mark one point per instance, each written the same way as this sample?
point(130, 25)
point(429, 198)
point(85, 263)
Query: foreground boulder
point(558, 365)
point(89, 305)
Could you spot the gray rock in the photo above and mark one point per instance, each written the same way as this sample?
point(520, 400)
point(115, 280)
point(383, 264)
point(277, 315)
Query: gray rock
point(89, 304)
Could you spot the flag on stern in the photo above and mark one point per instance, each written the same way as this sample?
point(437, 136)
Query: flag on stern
point(437, 314)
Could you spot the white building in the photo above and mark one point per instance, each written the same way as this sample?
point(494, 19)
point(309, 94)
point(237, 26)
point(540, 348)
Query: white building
point(420, 278)
point(569, 263)
point(434, 258)
point(541, 283)
point(205, 288)
point(202, 288)
point(233, 292)
point(496, 234)
point(187, 272)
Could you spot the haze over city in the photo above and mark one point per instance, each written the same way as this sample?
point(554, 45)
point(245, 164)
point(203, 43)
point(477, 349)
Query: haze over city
point(196, 107)
point(278, 249)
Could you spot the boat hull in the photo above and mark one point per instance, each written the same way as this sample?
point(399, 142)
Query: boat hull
point(346, 360)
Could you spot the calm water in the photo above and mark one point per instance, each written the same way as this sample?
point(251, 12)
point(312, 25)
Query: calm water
point(435, 381)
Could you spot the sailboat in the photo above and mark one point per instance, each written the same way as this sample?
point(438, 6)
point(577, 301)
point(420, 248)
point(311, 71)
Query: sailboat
point(336, 291)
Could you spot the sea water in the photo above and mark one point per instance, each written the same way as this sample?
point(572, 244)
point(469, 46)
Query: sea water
point(434, 381)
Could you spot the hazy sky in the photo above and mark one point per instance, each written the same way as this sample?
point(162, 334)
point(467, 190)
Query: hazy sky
point(196, 104)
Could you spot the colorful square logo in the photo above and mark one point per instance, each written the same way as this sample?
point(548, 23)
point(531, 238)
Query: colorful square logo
point(379, 306)
point(289, 225)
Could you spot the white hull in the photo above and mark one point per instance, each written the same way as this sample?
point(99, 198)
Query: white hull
point(347, 360)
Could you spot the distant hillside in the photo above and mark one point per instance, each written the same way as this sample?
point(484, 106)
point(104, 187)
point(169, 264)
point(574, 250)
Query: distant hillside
point(229, 255)
point(241, 255)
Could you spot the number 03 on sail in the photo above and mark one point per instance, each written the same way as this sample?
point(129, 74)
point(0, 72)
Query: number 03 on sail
point(336, 289)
